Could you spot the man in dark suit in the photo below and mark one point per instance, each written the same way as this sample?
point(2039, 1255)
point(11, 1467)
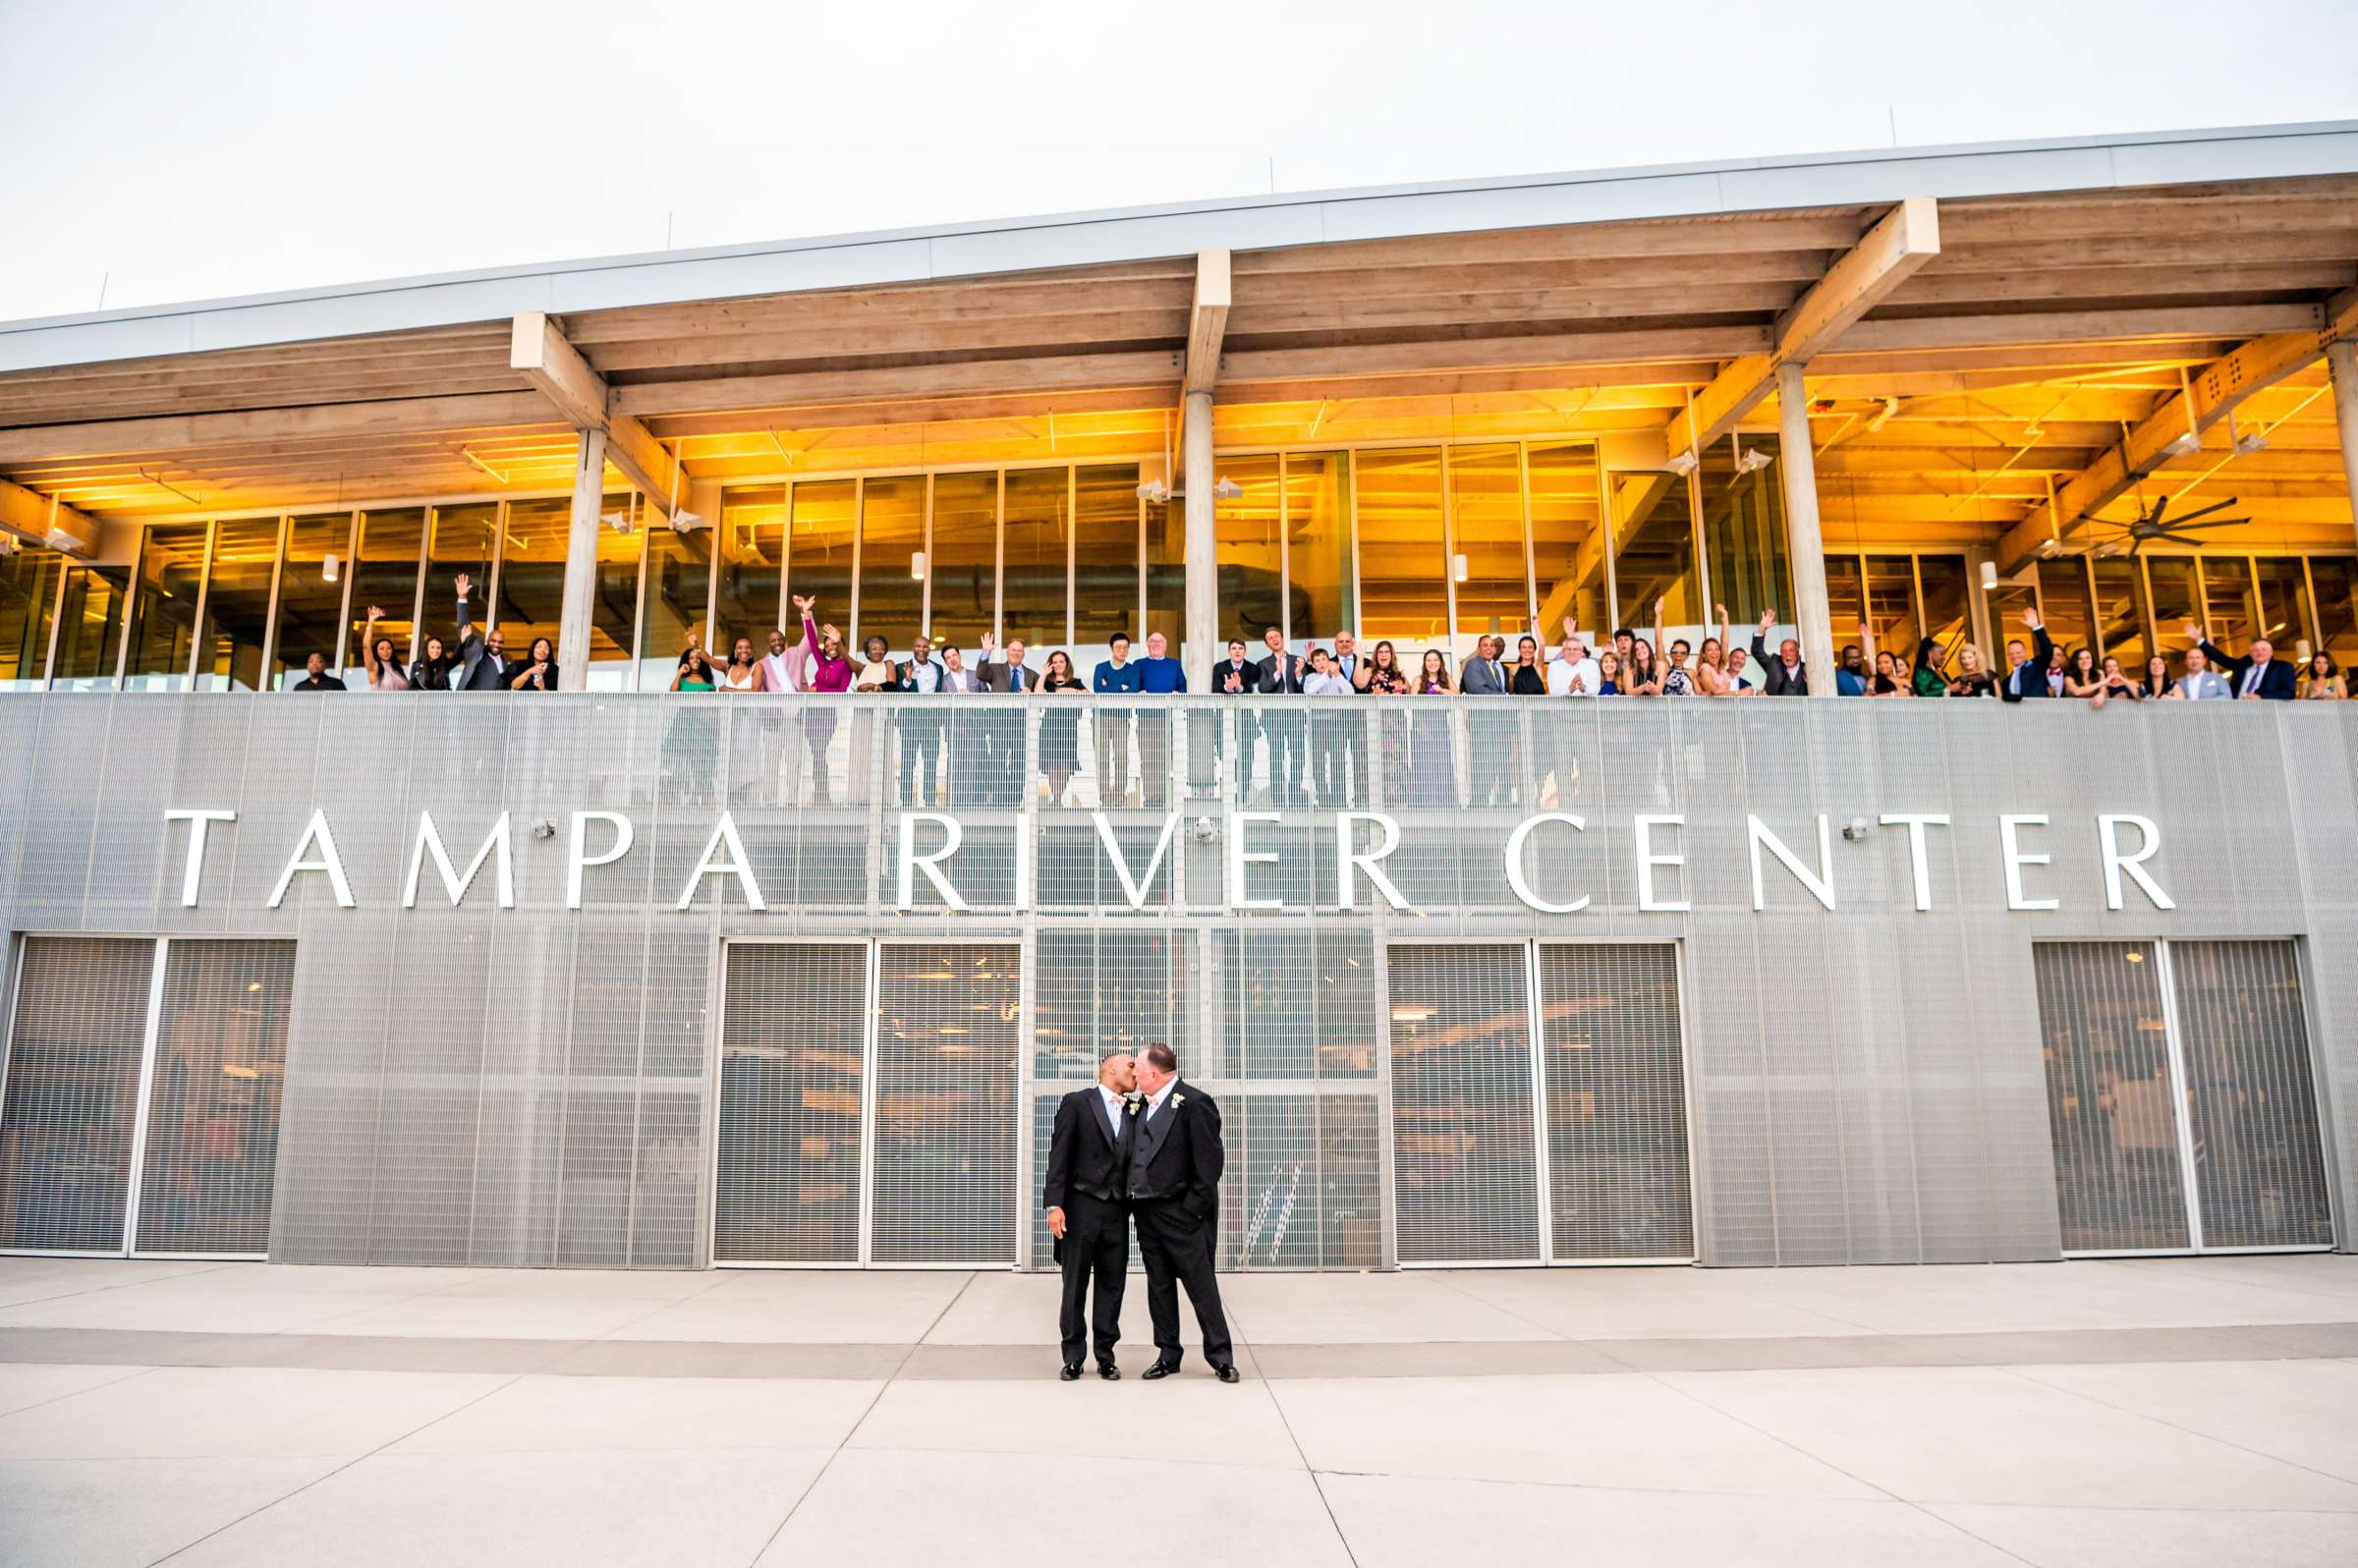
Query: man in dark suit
point(1174, 1192)
point(1005, 726)
point(484, 662)
point(1238, 676)
point(1280, 675)
point(1088, 1167)
point(919, 723)
point(2027, 677)
point(2258, 676)
point(1783, 675)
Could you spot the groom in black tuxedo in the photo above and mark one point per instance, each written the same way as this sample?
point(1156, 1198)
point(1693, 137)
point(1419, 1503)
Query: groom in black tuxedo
point(1174, 1188)
point(1089, 1171)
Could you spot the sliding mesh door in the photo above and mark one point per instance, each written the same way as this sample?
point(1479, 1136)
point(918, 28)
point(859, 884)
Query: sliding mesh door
point(793, 1049)
point(212, 1114)
point(66, 1129)
point(2259, 1175)
point(2106, 1037)
point(1464, 1151)
point(1616, 1102)
point(947, 1020)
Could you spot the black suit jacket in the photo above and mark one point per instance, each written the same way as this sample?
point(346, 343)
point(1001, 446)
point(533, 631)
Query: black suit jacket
point(1183, 1161)
point(1773, 679)
point(1248, 679)
point(2034, 673)
point(2275, 681)
point(1280, 674)
point(1083, 1156)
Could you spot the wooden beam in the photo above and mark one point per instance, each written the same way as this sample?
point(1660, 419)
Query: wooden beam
point(2209, 397)
point(1908, 237)
point(182, 432)
point(36, 519)
point(556, 368)
point(1206, 323)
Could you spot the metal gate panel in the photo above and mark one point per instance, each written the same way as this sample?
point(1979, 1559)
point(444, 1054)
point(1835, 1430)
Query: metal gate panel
point(2110, 1108)
point(1613, 1063)
point(211, 1153)
point(947, 1034)
point(68, 1122)
point(2259, 1174)
point(1465, 1151)
point(793, 1054)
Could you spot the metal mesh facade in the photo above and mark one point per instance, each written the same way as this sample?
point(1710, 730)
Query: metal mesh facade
point(793, 1071)
point(211, 1130)
point(1614, 1067)
point(945, 1099)
point(542, 1085)
point(2119, 1179)
point(2259, 1168)
point(1464, 1137)
point(73, 1101)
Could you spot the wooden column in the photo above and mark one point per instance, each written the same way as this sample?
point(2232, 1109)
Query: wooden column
point(581, 562)
point(1798, 464)
point(2341, 358)
point(1203, 541)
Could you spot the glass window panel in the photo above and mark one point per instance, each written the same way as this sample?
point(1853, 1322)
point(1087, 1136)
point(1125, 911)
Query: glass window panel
point(1485, 499)
point(1845, 599)
point(1744, 530)
point(309, 604)
point(2008, 603)
point(237, 608)
point(28, 600)
point(2229, 608)
point(1891, 606)
point(1566, 546)
point(679, 580)
point(385, 577)
point(2063, 603)
point(2283, 602)
point(2172, 579)
point(2336, 615)
point(753, 560)
point(2119, 618)
point(2108, 1097)
point(1106, 582)
point(1038, 533)
point(1251, 569)
point(819, 554)
point(465, 541)
point(1946, 614)
point(1317, 527)
point(1403, 560)
point(212, 1113)
point(892, 530)
point(532, 585)
point(1167, 582)
point(72, 1092)
point(965, 561)
point(1656, 561)
point(90, 627)
point(164, 609)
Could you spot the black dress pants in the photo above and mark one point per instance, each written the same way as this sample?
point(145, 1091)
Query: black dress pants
point(1096, 1245)
point(1177, 1248)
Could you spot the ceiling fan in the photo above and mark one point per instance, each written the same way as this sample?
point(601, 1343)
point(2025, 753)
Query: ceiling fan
point(2130, 537)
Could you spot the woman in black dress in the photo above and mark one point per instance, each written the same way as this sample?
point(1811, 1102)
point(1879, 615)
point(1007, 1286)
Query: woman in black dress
point(1060, 726)
point(432, 672)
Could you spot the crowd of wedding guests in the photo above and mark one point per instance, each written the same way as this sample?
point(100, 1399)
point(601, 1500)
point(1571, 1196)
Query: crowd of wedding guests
point(1316, 755)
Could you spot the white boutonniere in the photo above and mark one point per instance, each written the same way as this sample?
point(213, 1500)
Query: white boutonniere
point(1178, 1100)
point(1132, 1101)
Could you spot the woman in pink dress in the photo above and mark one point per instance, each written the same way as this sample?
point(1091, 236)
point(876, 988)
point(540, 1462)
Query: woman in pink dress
point(831, 673)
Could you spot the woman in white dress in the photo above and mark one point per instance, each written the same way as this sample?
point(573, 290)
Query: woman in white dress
point(384, 670)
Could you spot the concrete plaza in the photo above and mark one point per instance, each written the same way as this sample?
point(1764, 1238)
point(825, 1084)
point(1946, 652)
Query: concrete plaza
point(2150, 1411)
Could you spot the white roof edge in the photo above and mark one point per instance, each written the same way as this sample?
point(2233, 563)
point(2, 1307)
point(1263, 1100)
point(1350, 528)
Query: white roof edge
point(1244, 223)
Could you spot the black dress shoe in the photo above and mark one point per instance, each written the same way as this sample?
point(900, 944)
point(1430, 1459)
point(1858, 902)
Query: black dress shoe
point(1229, 1374)
point(1109, 1371)
point(1069, 1372)
point(1161, 1369)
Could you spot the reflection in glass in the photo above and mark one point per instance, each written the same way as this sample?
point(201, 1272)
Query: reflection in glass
point(1946, 610)
point(237, 608)
point(532, 586)
point(892, 530)
point(1317, 527)
point(385, 574)
point(1657, 561)
point(164, 610)
point(751, 540)
point(2175, 601)
point(819, 554)
point(679, 579)
point(1038, 533)
point(2284, 590)
point(1891, 607)
point(1845, 599)
point(465, 541)
point(2063, 602)
point(28, 599)
point(1166, 568)
point(2336, 616)
point(1566, 540)
point(1744, 530)
point(309, 604)
point(2229, 610)
point(2109, 1096)
point(2009, 604)
point(1403, 560)
point(1250, 554)
point(964, 566)
point(1485, 499)
point(2119, 618)
point(1105, 581)
point(89, 628)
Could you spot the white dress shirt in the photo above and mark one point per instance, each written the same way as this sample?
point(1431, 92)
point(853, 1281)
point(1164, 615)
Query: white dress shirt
point(1155, 1099)
point(1113, 1111)
point(1317, 684)
point(926, 676)
point(1561, 670)
point(782, 672)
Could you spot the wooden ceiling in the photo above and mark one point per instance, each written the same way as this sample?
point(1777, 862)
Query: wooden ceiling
point(2015, 354)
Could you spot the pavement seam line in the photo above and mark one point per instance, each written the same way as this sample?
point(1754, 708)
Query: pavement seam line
point(1334, 1519)
point(128, 1374)
point(853, 1430)
point(128, 1284)
point(2025, 1374)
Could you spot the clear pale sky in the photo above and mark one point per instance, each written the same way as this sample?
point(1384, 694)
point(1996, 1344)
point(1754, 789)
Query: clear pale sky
point(175, 151)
